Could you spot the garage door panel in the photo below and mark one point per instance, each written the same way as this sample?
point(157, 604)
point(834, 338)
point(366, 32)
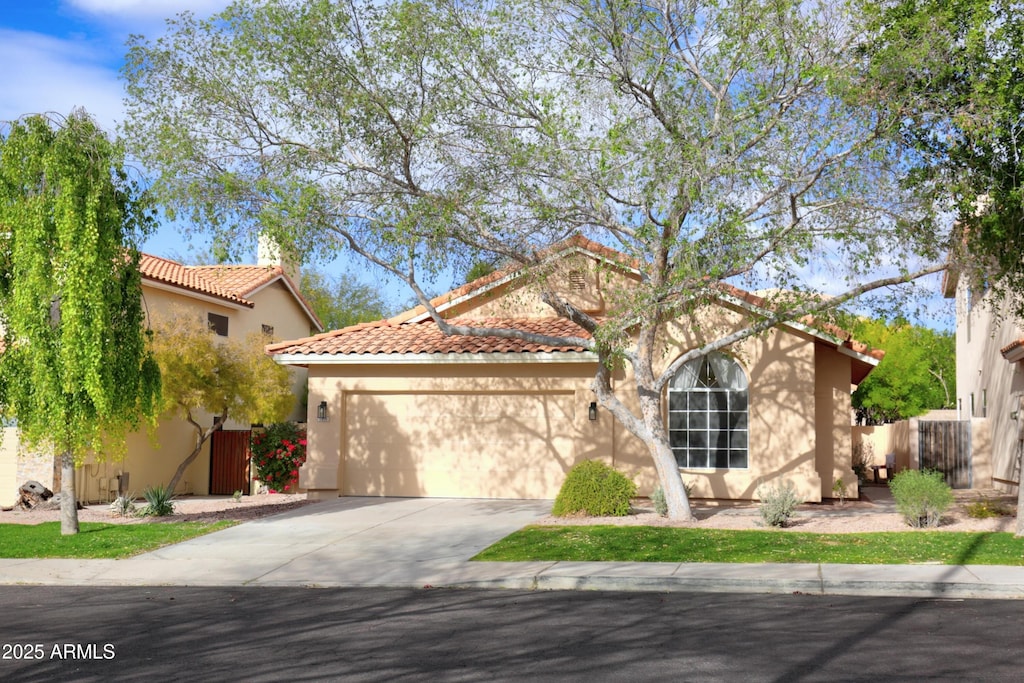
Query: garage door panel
point(457, 445)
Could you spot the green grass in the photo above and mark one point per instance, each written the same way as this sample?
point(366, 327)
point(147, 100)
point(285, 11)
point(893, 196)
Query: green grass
point(663, 544)
point(96, 541)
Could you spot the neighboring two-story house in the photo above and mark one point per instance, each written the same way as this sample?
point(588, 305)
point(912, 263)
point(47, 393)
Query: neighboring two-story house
point(236, 300)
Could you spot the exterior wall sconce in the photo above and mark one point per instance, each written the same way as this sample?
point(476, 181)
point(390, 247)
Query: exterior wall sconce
point(592, 411)
point(321, 412)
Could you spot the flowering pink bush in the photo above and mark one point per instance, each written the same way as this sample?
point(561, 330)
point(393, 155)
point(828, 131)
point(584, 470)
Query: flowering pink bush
point(278, 452)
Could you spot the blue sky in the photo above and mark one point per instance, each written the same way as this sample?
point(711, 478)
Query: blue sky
point(62, 54)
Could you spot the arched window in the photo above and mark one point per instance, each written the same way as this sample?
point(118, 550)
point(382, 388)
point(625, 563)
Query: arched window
point(707, 413)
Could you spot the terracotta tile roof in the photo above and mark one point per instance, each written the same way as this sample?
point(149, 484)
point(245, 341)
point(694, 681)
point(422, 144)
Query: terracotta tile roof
point(241, 279)
point(230, 282)
point(386, 337)
point(175, 274)
point(1012, 346)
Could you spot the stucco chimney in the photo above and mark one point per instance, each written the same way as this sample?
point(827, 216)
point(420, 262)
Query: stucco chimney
point(269, 253)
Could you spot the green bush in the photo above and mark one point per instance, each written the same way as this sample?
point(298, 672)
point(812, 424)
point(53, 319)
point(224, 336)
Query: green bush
point(921, 496)
point(985, 509)
point(595, 489)
point(158, 502)
point(778, 503)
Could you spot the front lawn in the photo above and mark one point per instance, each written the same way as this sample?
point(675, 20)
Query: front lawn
point(97, 540)
point(666, 544)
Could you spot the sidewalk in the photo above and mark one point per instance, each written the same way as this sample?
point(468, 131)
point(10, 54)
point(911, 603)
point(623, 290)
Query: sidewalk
point(421, 543)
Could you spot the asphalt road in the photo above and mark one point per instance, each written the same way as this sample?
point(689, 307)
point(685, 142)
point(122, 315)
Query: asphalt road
point(292, 634)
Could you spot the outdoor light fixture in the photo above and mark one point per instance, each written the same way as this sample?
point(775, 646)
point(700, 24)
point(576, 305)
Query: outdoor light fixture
point(321, 412)
point(592, 411)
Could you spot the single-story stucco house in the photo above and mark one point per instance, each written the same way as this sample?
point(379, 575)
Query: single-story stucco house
point(396, 408)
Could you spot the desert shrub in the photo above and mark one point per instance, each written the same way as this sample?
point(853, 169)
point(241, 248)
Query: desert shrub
point(778, 503)
point(863, 455)
point(158, 502)
point(124, 506)
point(593, 488)
point(921, 496)
point(985, 508)
point(278, 451)
point(658, 497)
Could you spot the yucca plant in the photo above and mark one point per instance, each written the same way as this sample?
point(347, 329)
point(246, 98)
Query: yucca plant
point(158, 501)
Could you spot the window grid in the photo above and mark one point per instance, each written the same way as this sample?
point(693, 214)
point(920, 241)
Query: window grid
point(708, 427)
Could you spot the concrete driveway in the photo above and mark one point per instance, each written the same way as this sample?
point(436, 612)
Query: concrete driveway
point(347, 541)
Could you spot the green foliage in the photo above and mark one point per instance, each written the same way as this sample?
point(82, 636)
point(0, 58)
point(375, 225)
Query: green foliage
point(75, 371)
point(278, 451)
point(778, 503)
point(960, 62)
point(917, 374)
point(159, 501)
point(921, 496)
point(76, 368)
point(987, 508)
point(606, 543)
point(863, 455)
point(658, 499)
point(705, 141)
point(839, 490)
point(229, 377)
point(342, 301)
point(595, 489)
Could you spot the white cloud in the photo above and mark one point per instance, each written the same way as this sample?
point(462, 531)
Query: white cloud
point(42, 74)
point(147, 9)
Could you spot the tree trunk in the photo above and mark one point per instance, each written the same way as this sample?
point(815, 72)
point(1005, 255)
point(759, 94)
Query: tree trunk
point(68, 502)
point(201, 437)
point(664, 459)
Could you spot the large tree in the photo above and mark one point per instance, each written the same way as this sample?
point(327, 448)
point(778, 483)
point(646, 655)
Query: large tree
point(961, 65)
point(711, 143)
point(917, 374)
point(76, 372)
point(341, 300)
point(207, 374)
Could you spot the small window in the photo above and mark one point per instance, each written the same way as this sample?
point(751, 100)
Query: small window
point(268, 330)
point(577, 281)
point(218, 323)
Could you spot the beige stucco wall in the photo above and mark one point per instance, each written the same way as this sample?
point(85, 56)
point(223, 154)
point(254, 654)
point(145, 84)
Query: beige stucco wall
point(152, 459)
point(988, 387)
point(799, 423)
point(8, 466)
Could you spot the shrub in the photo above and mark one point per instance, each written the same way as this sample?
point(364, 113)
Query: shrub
point(278, 452)
point(863, 455)
point(778, 503)
point(124, 506)
point(593, 488)
point(985, 508)
point(921, 496)
point(158, 502)
point(658, 497)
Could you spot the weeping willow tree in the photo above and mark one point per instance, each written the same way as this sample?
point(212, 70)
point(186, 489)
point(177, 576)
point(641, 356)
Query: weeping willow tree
point(75, 372)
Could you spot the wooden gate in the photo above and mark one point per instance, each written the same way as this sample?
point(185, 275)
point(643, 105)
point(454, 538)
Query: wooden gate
point(946, 446)
point(229, 462)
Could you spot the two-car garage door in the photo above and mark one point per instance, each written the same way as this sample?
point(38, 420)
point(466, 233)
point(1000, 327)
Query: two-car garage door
point(465, 445)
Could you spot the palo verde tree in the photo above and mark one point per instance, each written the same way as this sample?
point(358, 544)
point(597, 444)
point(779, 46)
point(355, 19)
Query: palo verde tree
point(226, 377)
point(711, 143)
point(76, 372)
